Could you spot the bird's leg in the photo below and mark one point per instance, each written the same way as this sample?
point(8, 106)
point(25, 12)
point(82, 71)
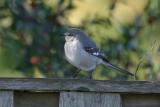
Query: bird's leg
point(76, 74)
point(90, 74)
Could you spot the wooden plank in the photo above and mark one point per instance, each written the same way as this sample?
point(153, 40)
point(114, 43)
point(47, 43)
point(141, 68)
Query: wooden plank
point(80, 85)
point(85, 99)
point(6, 99)
point(36, 99)
point(141, 100)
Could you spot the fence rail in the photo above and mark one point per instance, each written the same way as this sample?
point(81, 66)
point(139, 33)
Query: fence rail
point(16, 92)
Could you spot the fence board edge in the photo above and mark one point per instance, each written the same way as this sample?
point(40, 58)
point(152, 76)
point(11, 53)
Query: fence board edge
point(58, 85)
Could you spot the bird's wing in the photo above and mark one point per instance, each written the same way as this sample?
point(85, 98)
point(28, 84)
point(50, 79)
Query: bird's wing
point(94, 51)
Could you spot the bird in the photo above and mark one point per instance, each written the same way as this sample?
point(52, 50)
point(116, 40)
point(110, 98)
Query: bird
point(83, 53)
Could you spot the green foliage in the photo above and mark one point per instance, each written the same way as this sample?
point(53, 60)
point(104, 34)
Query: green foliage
point(31, 41)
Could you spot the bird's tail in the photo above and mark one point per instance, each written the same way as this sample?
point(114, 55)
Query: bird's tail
point(108, 64)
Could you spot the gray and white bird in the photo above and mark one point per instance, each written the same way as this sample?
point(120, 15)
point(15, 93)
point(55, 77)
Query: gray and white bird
point(83, 53)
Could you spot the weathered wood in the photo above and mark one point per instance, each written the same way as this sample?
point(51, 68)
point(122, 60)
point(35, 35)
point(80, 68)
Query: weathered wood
point(80, 85)
point(6, 99)
point(36, 99)
point(141, 100)
point(85, 99)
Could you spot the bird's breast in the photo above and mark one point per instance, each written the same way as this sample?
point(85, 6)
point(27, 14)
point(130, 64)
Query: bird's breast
point(78, 57)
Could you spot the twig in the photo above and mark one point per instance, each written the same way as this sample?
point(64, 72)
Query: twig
point(135, 74)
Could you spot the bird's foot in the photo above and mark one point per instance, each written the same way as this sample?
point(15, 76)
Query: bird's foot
point(90, 74)
point(76, 73)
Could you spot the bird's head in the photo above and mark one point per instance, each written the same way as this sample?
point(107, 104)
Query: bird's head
point(72, 33)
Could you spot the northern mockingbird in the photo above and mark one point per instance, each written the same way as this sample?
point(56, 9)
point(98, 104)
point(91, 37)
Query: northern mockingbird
point(82, 52)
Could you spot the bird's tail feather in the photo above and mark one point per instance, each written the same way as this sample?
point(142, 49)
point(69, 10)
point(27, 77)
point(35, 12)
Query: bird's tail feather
point(108, 64)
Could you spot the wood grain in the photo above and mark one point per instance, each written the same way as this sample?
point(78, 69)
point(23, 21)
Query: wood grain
point(141, 100)
point(6, 99)
point(36, 99)
point(80, 85)
point(85, 99)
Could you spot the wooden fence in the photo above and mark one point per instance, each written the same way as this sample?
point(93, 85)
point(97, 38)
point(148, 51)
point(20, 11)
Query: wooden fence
point(78, 93)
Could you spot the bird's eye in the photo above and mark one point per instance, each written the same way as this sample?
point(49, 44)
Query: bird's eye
point(70, 34)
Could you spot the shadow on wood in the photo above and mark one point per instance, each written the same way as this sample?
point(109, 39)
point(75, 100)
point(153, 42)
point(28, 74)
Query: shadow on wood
point(141, 100)
point(36, 99)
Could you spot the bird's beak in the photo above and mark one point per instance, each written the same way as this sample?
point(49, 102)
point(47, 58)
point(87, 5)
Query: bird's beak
point(66, 34)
